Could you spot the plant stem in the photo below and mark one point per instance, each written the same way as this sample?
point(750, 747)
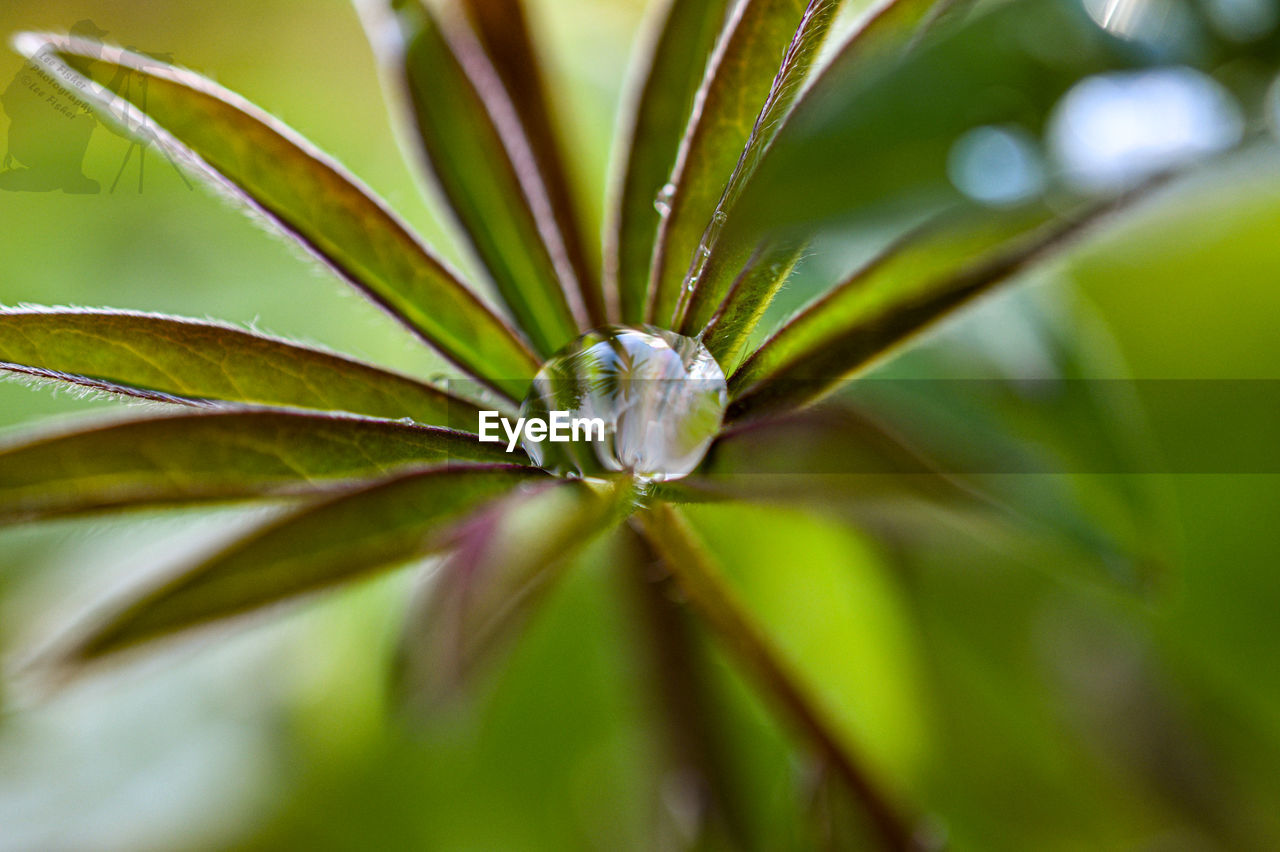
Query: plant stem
point(673, 659)
point(712, 596)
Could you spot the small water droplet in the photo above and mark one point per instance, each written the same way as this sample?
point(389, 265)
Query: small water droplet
point(660, 397)
point(663, 202)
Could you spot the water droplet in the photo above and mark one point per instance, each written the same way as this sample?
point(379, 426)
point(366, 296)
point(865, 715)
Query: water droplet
point(663, 202)
point(659, 398)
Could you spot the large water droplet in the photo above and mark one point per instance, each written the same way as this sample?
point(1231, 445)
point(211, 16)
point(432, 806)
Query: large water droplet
point(659, 399)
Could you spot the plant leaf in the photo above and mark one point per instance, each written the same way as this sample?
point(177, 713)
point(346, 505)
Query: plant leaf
point(727, 332)
point(734, 96)
point(1055, 455)
point(471, 136)
point(338, 540)
point(505, 559)
point(905, 458)
point(742, 275)
point(711, 594)
point(167, 359)
point(675, 66)
point(704, 288)
point(503, 28)
point(913, 284)
point(220, 455)
point(822, 457)
point(245, 151)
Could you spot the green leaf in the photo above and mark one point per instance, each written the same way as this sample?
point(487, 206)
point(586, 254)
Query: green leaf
point(772, 658)
point(704, 289)
point(505, 559)
point(675, 66)
point(503, 28)
point(221, 455)
point(743, 274)
point(472, 138)
point(913, 284)
point(1069, 463)
point(732, 99)
point(727, 332)
point(827, 457)
point(349, 536)
point(167, 359)
point(306, 194)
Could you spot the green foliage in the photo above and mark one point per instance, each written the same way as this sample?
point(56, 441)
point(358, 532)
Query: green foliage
point(666, 101)
point(737, 85)
point(501, 567)
point(816, 456)
point(752, 155)
point(741, 275)
point(398, 519)
point(166, 359)
point(503, 29)
point(871, 138)
point(895, 296)
point(470, 133)
point(219, 455)
point(314, 202)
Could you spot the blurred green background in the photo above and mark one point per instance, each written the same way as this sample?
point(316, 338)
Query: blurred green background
point(1020, 705)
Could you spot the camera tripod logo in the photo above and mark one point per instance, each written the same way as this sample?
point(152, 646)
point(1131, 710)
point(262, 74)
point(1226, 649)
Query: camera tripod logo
point(51, 121)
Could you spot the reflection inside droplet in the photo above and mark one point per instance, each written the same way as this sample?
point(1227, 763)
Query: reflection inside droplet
point(1112, 130)
point(996, 165)
point(660, 395)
